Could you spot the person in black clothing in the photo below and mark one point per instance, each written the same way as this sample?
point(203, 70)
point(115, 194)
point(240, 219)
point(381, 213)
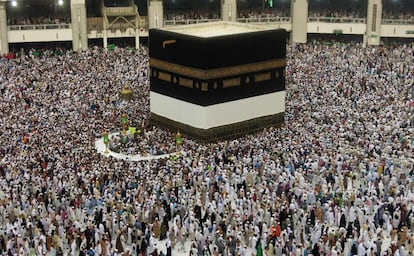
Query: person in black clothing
point(349, 231)
point(164, 228)
point(354, 249)
point(143, 246)
point(357, 225)
point(342, 221)
point(168, 245)
point(315, 250)
point(2, 244)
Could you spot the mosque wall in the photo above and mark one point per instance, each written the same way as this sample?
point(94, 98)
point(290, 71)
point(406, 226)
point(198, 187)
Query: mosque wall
point(392, 30)
point(65, 34)
point(21, 36)
point(333, 28)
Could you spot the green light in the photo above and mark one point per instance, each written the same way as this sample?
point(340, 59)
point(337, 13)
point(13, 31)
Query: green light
point(271, 3)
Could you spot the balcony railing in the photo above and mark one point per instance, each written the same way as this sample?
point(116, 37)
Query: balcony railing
point(337, 20)
point(272, 19)
point(96, 23)
point(119, 11)
point(267, 19)
point(398, 21)
point(174, 22)
point(40, 26)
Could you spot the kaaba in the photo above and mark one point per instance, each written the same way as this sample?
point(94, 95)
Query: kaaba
point(217, 80)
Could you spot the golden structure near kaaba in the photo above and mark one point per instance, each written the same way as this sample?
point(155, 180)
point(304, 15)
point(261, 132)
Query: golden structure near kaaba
point(217, 80)
point(126, 93)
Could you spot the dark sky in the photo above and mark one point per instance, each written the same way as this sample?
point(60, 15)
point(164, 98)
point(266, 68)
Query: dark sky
point(50, 7)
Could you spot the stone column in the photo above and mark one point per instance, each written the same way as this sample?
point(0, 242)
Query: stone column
point(4, 42)
point(374, 15)
point(229, 10)
point(79, 30)
point(137, 32)
point(105, 38)
point(299, 11)
point(155, 14)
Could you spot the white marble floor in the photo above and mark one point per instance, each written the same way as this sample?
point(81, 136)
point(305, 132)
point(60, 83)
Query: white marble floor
point(100, 147)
